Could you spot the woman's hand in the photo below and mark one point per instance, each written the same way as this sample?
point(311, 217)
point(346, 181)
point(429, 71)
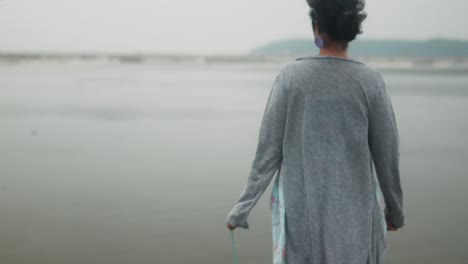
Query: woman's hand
point(230, 227)
point(390, 227)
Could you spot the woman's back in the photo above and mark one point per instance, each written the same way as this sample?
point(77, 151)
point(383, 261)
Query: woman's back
point(327, 108)
point(332, 211)
point(326, 120)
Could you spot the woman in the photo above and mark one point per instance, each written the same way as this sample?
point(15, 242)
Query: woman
point(328, 123)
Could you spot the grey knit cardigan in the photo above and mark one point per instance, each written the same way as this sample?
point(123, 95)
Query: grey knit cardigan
point(329, 123)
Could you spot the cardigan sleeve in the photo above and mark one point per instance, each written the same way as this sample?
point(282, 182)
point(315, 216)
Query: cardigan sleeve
point(268, 155)
point(384, 144)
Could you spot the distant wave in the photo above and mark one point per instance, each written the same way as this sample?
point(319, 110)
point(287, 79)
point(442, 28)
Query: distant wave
point(384, 63)
point(135, 58)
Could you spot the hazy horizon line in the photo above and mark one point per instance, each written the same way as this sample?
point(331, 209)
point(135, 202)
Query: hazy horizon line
point(185, 53)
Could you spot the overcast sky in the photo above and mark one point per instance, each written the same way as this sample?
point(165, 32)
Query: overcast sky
point(203, 26)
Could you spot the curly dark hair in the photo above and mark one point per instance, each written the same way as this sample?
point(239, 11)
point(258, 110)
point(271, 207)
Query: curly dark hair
point(339, 19)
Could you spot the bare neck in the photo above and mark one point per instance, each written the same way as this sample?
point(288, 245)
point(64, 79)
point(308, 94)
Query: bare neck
point(335, 51)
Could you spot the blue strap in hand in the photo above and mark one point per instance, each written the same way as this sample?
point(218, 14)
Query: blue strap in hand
point(236, 260)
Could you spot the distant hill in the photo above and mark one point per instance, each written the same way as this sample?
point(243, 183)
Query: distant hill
point(372, 48)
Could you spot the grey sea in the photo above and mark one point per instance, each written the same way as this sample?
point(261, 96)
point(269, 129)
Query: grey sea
point(133, 162)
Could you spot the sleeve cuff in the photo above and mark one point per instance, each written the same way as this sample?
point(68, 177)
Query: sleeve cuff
point(397, 220)
point(233, 222)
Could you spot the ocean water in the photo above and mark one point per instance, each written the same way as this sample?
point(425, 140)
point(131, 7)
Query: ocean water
point(141, 162)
